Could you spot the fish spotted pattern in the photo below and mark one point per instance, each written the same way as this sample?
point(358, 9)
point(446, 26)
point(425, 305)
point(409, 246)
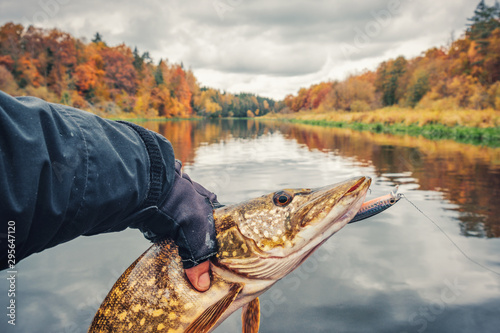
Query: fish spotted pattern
point(259, 242)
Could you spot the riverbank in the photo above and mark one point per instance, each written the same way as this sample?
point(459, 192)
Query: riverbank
point(135, 119)
point(479, 127)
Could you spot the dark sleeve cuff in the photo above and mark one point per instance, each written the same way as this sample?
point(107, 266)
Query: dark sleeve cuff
point(156, 164)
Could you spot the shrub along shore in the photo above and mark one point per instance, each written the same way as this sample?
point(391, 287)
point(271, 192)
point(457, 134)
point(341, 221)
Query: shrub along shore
point(478, 127)
point(466, 126)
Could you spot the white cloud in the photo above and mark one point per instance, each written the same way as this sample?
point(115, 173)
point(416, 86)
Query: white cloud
point(267, 47)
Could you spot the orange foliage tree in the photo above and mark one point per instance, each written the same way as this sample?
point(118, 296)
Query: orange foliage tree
point(464, 75)
point(51, 64)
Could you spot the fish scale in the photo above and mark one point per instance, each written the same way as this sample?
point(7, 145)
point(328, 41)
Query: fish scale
point(154, 294)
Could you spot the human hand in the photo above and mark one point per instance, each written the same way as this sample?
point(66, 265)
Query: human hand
point(187, 218)
point(199, 276)
point(191, 206)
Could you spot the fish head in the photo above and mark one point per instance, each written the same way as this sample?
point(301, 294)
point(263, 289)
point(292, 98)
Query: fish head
point(269, 236)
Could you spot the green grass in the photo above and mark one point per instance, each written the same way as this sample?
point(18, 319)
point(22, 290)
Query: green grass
point(489, 137)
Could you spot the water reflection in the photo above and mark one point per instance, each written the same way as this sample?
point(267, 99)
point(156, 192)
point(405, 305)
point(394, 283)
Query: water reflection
point(393, 273)
point(468, 176)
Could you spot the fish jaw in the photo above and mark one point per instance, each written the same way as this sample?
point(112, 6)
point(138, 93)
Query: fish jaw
point(258, 270)
point(155, 294)
point(252, 288)
point(261, 239)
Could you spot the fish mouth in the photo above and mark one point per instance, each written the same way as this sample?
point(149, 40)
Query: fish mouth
point(336, 219)
point(326, 211)
point(359, 189)
point(340, 203)
point(358, 184)
point(340, 214)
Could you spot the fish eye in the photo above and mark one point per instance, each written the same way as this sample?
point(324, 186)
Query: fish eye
point(282, 198)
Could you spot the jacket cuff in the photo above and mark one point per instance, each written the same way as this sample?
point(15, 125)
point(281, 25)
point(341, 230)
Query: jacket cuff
point(156, 165)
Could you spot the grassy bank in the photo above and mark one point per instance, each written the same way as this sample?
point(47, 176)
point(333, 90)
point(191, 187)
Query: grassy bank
point(142, 119)
point(475, 127)
point(479, 136)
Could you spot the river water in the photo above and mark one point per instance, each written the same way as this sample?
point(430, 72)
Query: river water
point(396, 272)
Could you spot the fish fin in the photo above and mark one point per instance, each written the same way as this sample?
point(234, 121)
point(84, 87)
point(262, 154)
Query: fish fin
point(250, 317)
point(210, 316)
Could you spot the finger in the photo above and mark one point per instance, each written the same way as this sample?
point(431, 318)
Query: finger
point(199, 276)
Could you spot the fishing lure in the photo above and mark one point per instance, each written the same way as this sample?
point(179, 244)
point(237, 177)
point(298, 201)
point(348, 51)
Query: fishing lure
point(377, 205)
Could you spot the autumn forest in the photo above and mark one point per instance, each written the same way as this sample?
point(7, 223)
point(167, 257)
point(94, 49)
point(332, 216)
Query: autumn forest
point(117, 81)
point(464, 74)
point(109, 81)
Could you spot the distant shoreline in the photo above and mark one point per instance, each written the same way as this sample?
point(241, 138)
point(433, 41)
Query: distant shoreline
point(478, 127)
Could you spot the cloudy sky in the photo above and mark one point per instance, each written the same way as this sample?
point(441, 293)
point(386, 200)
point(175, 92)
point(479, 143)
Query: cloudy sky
point(267, 47)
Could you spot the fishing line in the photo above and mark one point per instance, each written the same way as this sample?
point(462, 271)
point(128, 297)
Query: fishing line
point(449, 238)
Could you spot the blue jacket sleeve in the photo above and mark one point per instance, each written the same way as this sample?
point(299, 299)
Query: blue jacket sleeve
point(66, 173)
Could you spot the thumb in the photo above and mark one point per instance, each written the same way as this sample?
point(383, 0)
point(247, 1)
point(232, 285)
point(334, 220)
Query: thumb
point(199, 276)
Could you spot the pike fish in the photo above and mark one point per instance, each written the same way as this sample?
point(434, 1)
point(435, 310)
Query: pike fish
point(259, 242)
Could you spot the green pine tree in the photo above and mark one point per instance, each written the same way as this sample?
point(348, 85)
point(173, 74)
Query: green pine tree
point(138, 60)
point(97, 38)
point(159, 74)
point(485, 20)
